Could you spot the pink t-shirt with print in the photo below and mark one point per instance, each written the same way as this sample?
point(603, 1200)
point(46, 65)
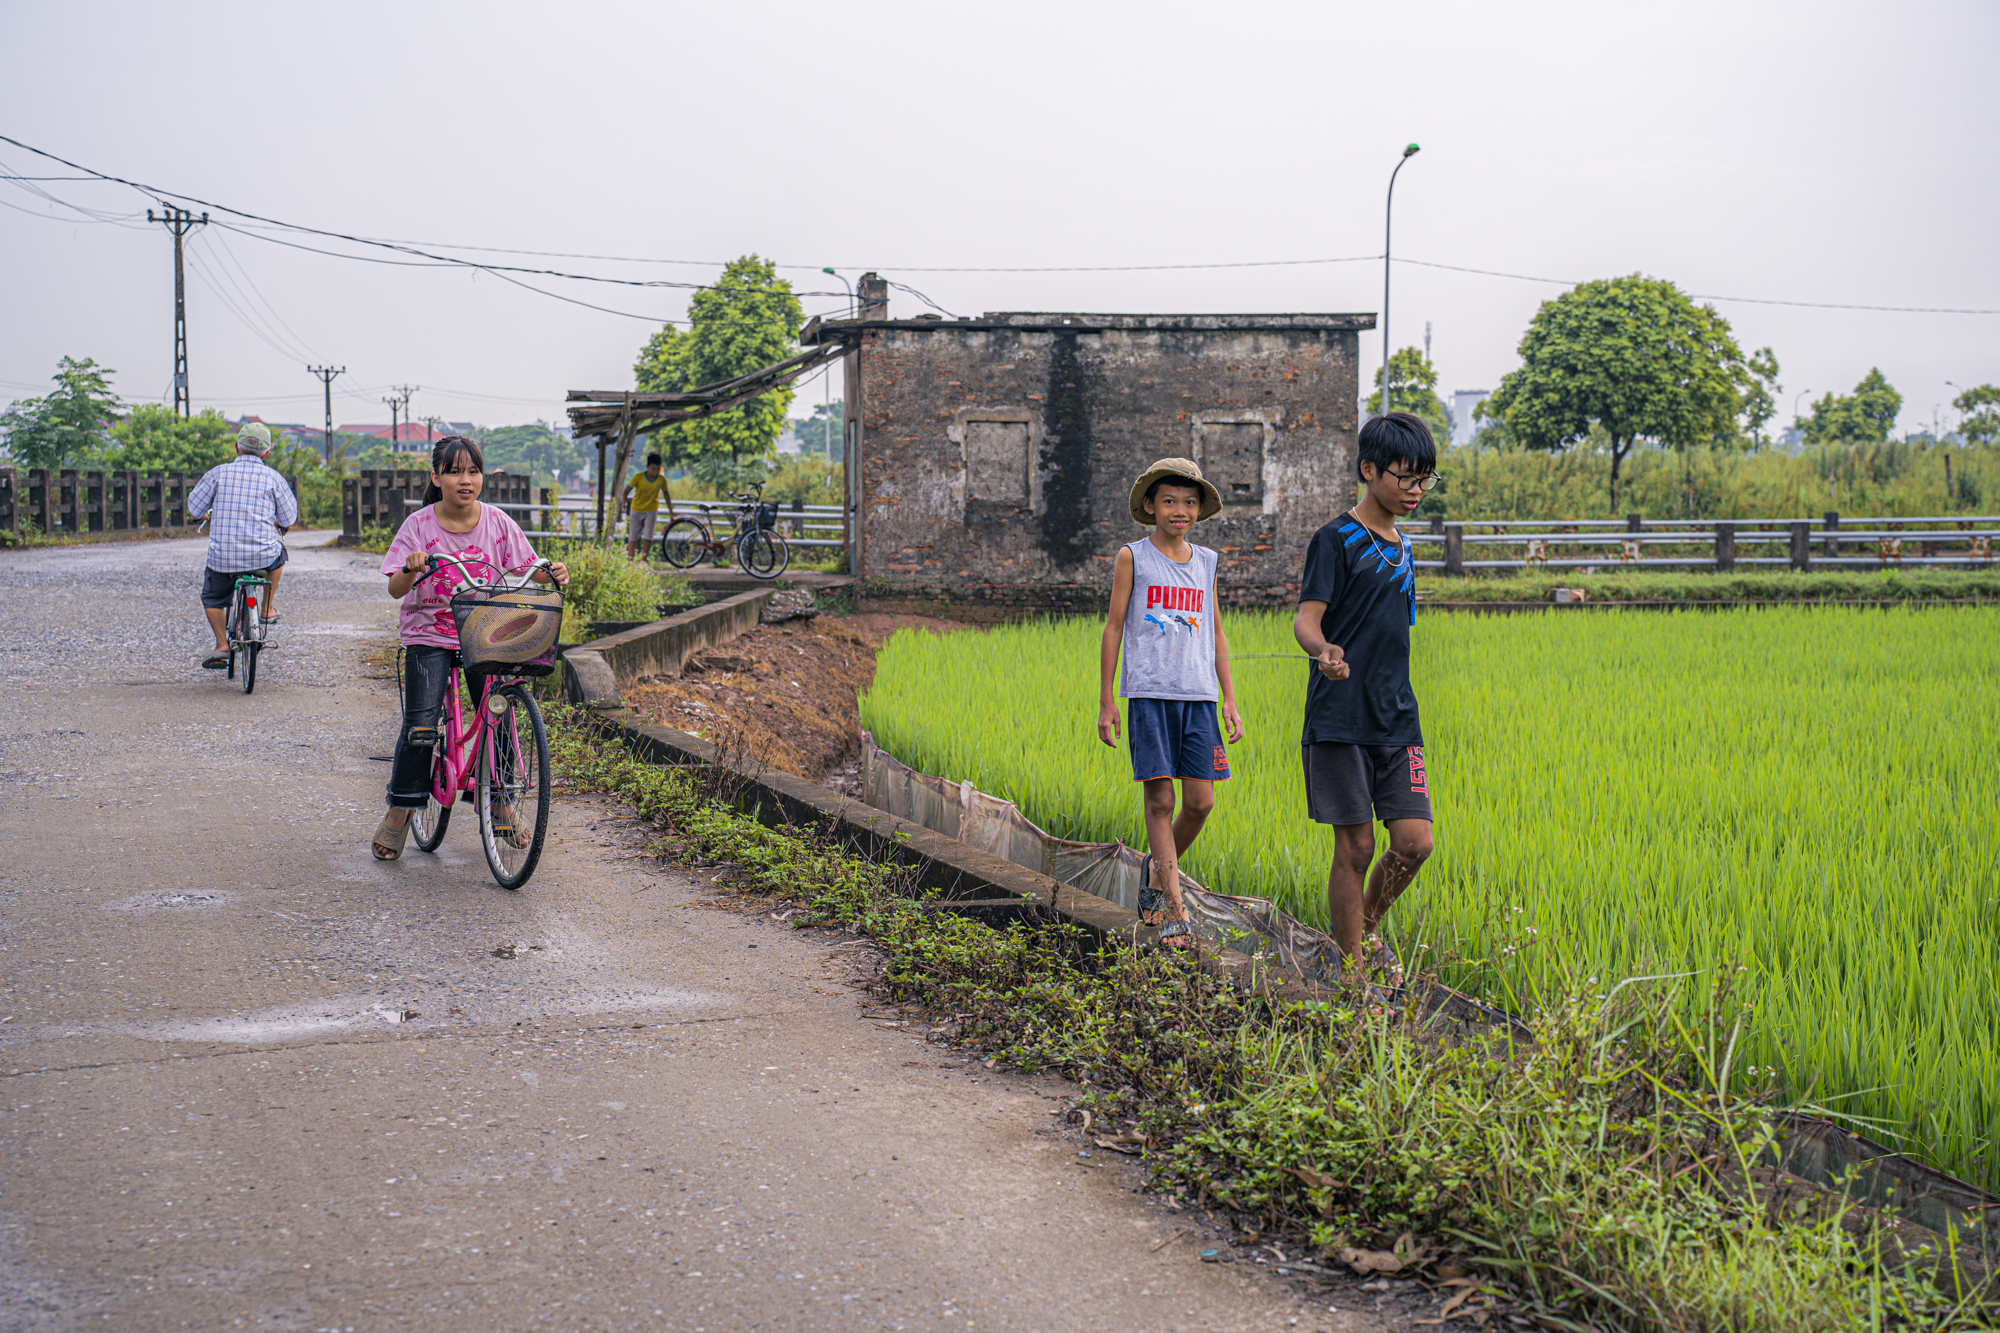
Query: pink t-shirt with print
point(496, 540)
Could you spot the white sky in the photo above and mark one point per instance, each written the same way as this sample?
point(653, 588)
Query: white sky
point(1792, 151)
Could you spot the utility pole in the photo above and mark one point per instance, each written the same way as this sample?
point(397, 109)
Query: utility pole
point(326, 374)
point(180, 222)
point(406, 390)
point(395, 405)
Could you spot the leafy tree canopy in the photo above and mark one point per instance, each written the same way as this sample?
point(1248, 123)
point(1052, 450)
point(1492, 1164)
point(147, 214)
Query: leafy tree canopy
point(1981, 406)
point(1633, 356)
point(535, 449)
point(1866, 414)
point(1413, 388)
point(69, 425)
point(1760, 392)
point(747, 321)
point(155, 438)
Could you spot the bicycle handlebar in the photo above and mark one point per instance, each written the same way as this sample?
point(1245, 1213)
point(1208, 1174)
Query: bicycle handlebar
point(432, 563)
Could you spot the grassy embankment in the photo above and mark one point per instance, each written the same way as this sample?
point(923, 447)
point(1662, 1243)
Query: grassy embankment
point(1597, 1176)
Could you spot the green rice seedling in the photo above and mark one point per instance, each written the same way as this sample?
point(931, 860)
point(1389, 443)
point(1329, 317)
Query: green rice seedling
point(1801, 802)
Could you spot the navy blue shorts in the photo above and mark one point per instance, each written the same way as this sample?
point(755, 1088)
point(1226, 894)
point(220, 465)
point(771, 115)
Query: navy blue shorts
point(1175, 738)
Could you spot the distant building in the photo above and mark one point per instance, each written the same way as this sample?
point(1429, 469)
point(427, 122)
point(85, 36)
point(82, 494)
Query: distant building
point(1463, 426)
point(412, 437)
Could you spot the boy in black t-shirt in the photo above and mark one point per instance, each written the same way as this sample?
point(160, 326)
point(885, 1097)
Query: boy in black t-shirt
point(1364, 750)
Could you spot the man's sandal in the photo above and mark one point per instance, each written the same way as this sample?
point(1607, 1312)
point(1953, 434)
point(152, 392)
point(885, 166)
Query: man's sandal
point(1175, 930)
point(389, 839)
point(215, 662)
point(1151, 900)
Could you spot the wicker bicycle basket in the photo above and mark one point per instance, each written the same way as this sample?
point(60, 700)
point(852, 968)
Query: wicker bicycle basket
point(508, 630)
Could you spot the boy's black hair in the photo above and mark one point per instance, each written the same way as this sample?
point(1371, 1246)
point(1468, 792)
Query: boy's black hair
point(652, 460)
point(1399, 437)
point(1188, 483)
point(445, 455)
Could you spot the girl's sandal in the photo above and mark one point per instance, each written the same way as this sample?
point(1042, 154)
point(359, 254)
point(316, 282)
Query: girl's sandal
point(389, 839)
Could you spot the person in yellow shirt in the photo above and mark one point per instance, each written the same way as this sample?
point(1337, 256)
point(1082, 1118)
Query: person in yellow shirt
point(642, 502)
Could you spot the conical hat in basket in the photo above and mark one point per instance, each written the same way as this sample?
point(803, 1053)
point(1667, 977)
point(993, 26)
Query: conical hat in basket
point(507, 626)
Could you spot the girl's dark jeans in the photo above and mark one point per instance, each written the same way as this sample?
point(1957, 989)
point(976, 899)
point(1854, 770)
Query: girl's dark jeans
point(426, 674)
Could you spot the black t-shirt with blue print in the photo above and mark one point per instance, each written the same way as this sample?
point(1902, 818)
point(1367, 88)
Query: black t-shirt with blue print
point(1370, 590)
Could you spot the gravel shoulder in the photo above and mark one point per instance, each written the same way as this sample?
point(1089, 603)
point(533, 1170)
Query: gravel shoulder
point(251, 1078)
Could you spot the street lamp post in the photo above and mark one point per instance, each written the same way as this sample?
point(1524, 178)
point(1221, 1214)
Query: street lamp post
point(850, 291)
point(1388, 213)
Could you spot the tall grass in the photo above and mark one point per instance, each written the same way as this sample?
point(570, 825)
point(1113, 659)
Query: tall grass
point(1804, 799)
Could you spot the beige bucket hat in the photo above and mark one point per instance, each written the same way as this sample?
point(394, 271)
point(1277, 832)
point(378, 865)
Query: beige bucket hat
point(1180, 469)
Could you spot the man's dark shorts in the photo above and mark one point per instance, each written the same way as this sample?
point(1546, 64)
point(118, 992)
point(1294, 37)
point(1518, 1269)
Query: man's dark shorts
point(217, 587)
point(1175, 738)
point(1344, 783)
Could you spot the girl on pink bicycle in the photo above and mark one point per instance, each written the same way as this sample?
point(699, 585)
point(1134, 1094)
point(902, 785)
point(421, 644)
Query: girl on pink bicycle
point(454, 523)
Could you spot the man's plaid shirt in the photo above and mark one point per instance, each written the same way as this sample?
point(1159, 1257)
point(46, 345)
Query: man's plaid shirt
point(245, 499)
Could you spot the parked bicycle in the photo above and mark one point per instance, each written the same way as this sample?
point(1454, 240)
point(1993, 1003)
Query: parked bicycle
point(494, 754)
point(245, 626)
point(759, 550)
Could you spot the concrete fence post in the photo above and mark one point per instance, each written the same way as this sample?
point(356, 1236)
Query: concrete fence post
point(1801, 545)
point(1454, 549)
point(1725, 547)
point(1832, 542)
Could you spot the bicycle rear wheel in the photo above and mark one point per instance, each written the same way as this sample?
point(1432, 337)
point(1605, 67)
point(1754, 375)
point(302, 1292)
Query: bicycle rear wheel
point(429, 823)
point(682, 545)
point(763, 553)
point(513, 796)
point(250, 665)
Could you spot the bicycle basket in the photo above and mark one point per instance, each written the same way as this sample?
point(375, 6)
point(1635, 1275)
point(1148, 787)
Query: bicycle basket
point(767, 515)
point(508, 630)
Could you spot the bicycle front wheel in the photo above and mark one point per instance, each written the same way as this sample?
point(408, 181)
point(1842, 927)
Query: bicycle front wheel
point(513, 798)
point(684, 543)
point(763, 553)
point(429, 823)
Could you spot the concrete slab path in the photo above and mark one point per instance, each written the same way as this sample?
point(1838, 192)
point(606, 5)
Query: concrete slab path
point(249, 1078)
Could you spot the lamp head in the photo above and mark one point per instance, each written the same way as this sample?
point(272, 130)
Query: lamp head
point(828, 270)
point(1411, 151)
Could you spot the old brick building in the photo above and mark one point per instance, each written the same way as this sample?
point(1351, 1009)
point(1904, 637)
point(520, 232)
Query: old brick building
point(994, 455)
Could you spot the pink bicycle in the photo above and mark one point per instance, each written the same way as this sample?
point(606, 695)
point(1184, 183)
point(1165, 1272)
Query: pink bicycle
point(496, 753)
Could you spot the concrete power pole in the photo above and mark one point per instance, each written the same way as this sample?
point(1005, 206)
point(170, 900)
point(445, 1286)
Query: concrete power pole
point(326, 374)
point(180, 222)
point(406, 390)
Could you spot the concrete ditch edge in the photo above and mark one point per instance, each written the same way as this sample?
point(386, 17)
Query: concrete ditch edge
point(592, 671)
point(959, 871)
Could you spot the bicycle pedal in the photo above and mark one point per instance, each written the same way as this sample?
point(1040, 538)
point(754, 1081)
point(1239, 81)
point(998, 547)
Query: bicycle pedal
point(427, 736)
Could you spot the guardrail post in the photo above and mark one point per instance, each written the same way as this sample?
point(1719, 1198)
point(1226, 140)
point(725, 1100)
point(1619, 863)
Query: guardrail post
point(1454, 548)
point(1634, 522)
point(1801, 546)
point(1832, 542)
point(1725, 547)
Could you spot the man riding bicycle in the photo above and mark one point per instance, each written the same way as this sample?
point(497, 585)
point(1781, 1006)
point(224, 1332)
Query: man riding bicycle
point(251, 506)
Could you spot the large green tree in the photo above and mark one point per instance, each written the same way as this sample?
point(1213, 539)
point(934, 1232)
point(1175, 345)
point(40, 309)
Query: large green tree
point(1866, 414)
point(1760, 393)
point(1632, 356)
point(158, 439)
point(1981, 406)
point(748, 320)
point(70, 425)
point(1413, 389)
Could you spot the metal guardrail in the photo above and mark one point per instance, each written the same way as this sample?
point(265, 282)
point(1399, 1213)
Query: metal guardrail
point(1560, 544)
point(579, 514)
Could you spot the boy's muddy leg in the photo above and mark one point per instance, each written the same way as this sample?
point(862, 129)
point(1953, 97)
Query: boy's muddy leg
point(1409, 848)
point(1162, 842)
point(1346, 885)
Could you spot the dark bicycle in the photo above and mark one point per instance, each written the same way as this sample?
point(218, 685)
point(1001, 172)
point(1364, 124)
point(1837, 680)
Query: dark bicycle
point(760, 552)
point(245, 625)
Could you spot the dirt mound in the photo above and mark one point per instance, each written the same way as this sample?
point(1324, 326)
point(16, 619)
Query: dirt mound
point(783, 694)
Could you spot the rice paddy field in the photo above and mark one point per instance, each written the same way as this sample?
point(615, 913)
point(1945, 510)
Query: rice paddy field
point(1800, 805)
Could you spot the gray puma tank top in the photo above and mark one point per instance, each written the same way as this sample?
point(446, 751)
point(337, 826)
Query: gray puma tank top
point(1169, 626)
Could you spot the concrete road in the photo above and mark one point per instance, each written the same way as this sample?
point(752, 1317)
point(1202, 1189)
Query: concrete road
point(250, 1078)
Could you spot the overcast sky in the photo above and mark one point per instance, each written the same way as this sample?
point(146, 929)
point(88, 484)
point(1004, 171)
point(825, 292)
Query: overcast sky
point(1805, 152)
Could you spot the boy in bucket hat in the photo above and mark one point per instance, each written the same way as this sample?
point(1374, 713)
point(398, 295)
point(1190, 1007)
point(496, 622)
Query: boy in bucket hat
point(1164, 618)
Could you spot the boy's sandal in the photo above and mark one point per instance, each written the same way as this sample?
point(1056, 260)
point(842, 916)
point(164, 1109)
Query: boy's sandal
point(1151, 900)
point(389, 839)
point(215, 662)
point(1175, 930)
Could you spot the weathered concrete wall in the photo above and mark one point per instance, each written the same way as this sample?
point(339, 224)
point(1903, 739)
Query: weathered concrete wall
point(997, 454)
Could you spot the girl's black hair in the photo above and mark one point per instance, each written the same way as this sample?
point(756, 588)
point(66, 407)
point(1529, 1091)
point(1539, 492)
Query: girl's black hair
point(1399, 437)
point(445, 455)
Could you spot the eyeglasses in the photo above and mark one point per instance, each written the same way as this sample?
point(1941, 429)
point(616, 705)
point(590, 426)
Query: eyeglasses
point(1423, 483)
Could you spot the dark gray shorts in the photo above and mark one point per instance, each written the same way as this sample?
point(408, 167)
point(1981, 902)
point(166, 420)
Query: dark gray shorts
point(218, 586)
point(1345, 783)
